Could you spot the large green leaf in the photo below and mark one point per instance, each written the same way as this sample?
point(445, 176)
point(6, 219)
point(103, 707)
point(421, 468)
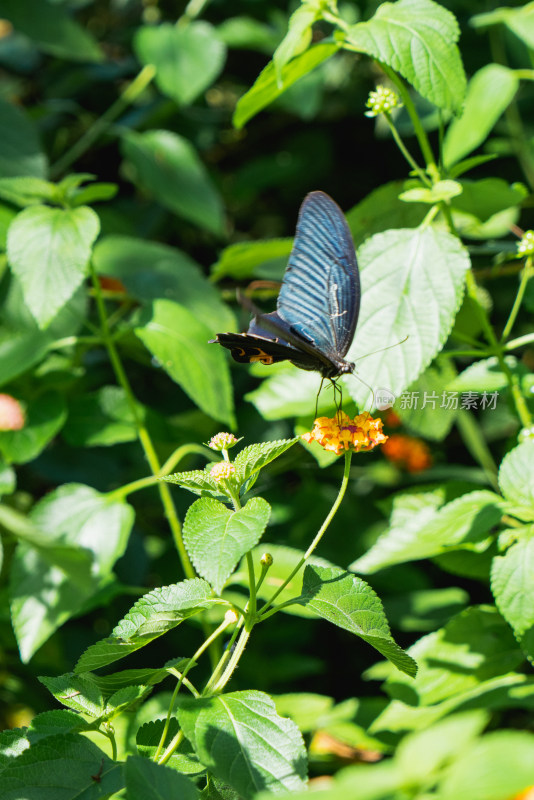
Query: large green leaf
point(146, 780)
point(79, 534)
point(516, 475)
point(382, 210)
point(253, 259)
point(412, 286)
point(431, 417)
point(151, 270)
point(187, 59)
point(216, 538)
point(20, 149)
point(167, 166)
point(153, 615)
point(417, 39)
point(512, 581)
point(242, 740)
point(180, 343)
point(350, 603)
point(299, 34)
point(48, 250)
point(62, 767)
point(269, 85)
point(51, 28)
point(489, 93)
point(463, 523)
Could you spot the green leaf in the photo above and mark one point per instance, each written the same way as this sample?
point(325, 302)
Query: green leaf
point(518, 20)
point(180, 343)
point(489, 93)
point(168, 167)
point(196, 481)
point(512, 581)
point(27, 190)
point(45, 416)
point(52, 29)
point(78, 692)
point(110, 684)
point(64, 768)
point(242, 740)
point(441, 191)
point(253, 458)
point(153, 615)
point(187, 59)
point(151, 270)
point(289, 392)
point(51, 723)
point(74, 538)
point(432, 418)
point(20, 148)
point(351, 604)
point(146, 780)
point(464, 523)
point(417, 39)
point(216, 538)
point(487, 197)
point(183, 759)
point(101, 418)
point(8, 479)
point(299, 34)
point(246, 33)
point(486, 375)
point(516, 475)
point(400, 295)
point(253, 259)
point(382, 210)
point(268, 86)
point(497, 767)
point(48, 250)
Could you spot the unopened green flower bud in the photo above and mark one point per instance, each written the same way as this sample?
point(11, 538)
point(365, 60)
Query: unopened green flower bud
point(526, 246)
point(382, 100)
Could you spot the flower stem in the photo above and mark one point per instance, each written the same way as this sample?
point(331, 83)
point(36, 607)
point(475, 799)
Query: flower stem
point(527, 273)
point(318, 537)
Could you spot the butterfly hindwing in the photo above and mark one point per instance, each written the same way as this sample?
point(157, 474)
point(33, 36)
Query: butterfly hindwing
point(320, 294)
point(249, 349)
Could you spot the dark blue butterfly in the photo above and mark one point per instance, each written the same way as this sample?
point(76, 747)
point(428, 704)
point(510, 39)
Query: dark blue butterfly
point(319, 301)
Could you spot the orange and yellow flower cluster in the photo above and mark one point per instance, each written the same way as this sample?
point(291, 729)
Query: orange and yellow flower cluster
point(341, 433)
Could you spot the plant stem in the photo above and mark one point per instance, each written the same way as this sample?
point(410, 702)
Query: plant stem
point(129, 95)
point(476, 444)
point(142, 432)
point(525, 277)
point(405, 152)
point(318, 537)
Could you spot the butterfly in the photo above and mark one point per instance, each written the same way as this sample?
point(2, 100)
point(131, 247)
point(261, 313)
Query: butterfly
point(319, 301)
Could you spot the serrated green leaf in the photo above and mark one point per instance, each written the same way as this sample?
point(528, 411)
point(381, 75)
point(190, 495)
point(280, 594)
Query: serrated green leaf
point(253, 458)
point(516, 475)
point(440, 191)
point(196, 481)
point(217, 538)
point(62, 767)
point(350, 603)
point(268, 86)
point(52, 723)
point(20, 149)
point(464, 523)
point(168, 167)
point(27, 190)
point(151, 270)
point(183, 758)
point(48, 250)
point(253, 259)
point(486, 375)
point(187, 59)
point(52, 29)
point(242, 740)
point(489, 93)
point(78, 692)
point(146, 780)
point(153, 615)
point(108, 684)
point(400, 295)
point(417, 39)
point(45, 416)
point(512, 581)
point(180, 342)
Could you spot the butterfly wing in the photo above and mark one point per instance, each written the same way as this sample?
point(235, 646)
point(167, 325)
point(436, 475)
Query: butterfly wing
point(320, 294)
point(247, 348)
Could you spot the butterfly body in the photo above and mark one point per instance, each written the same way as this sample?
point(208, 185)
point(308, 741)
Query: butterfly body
point(319, 301)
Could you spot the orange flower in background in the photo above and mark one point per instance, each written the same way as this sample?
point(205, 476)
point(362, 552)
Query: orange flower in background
point(11, 414)
point(341, 433)
point(409, 452)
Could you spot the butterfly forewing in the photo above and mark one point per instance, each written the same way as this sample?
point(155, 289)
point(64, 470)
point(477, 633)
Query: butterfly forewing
point(320, 294)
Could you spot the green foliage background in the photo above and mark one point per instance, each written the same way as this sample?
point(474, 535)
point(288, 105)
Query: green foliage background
point(153, 157)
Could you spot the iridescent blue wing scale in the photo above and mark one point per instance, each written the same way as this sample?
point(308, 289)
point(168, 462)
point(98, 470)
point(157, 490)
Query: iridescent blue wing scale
point(320, 295)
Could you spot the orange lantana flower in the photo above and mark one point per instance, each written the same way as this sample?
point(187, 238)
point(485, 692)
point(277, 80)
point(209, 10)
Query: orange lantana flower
point(411, 453)
point(341, 433)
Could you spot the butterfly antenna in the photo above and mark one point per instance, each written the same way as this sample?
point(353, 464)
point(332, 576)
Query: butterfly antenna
point(382, 349)
point(317, 398)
